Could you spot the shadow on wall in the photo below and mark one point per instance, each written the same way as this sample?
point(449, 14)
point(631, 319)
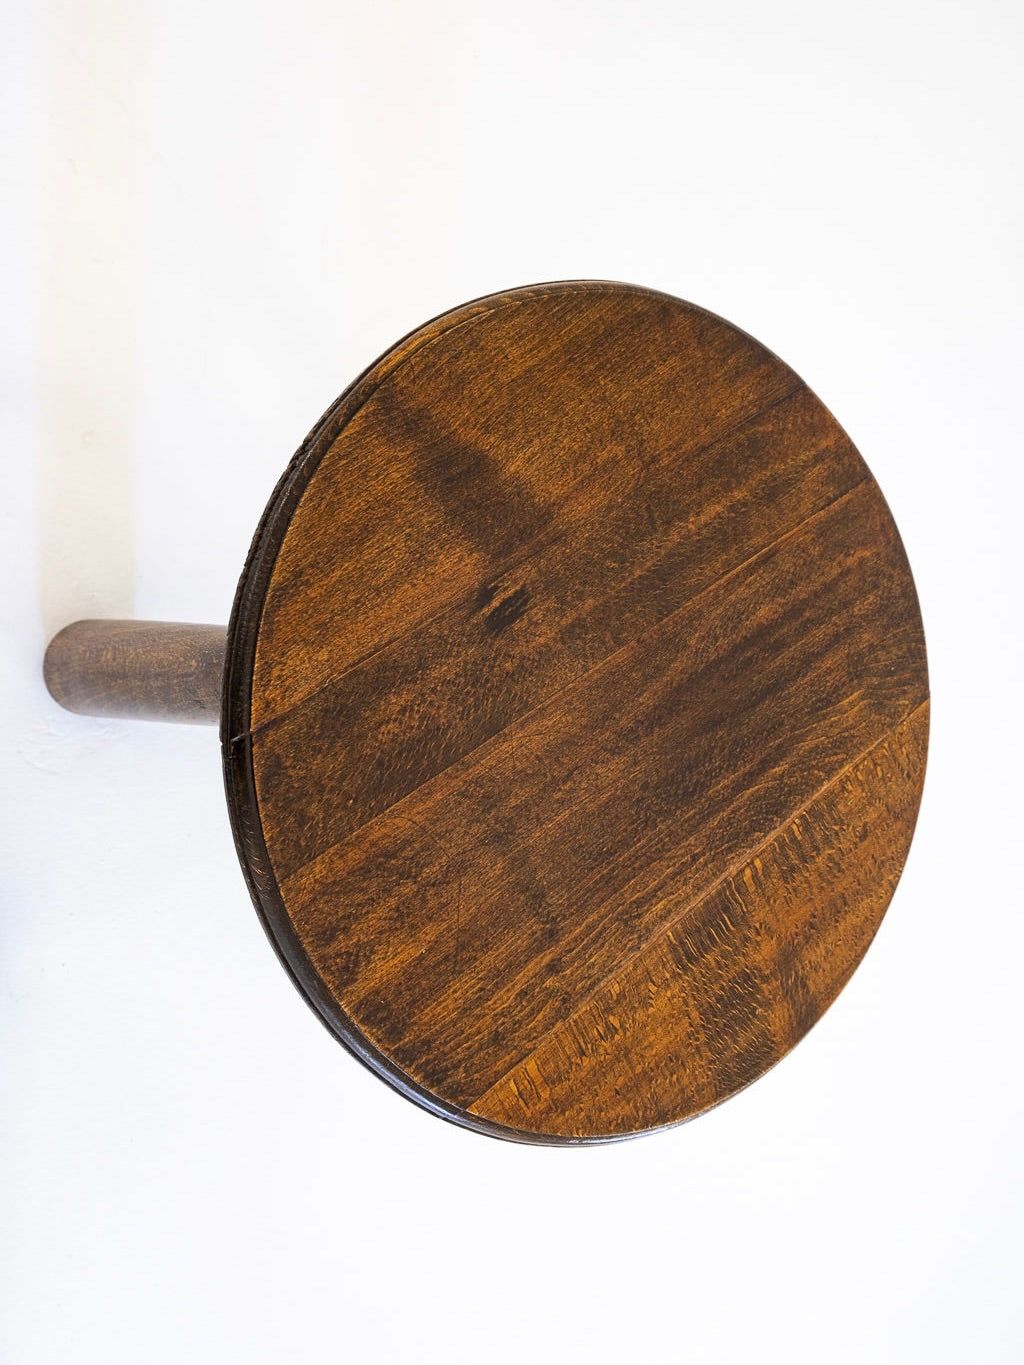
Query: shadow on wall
point(88, 327)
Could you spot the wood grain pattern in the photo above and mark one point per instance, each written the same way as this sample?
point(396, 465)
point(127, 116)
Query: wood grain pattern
point(576, 712)
point(138, 670)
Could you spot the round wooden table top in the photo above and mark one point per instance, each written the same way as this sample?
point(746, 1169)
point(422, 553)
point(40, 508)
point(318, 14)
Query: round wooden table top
point(576, 713)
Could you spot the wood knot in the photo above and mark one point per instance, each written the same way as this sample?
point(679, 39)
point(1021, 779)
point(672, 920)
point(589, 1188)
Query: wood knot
point(507, 612)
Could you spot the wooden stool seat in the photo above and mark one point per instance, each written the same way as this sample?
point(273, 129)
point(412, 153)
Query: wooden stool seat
point(575, 713)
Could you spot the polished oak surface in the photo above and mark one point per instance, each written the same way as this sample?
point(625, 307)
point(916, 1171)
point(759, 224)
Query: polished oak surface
point(576, 712)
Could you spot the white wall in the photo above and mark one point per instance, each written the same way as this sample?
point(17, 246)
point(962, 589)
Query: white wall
point(217, 214)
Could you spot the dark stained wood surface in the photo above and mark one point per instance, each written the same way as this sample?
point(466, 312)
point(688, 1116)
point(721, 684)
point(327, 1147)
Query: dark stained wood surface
point(576, 712)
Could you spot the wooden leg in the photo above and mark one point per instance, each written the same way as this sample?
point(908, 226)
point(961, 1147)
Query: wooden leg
point(139, 670)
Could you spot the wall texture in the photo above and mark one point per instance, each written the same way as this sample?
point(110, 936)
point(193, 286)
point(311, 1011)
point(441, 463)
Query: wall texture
point(218, 214)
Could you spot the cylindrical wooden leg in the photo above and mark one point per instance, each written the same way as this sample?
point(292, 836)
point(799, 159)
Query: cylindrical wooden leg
point(139, 670)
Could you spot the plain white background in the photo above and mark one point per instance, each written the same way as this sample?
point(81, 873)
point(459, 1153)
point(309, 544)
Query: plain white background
point(216, 214)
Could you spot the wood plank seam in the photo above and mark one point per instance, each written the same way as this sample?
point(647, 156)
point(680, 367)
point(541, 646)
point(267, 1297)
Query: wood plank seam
point(586, 678)
point(730, 874)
